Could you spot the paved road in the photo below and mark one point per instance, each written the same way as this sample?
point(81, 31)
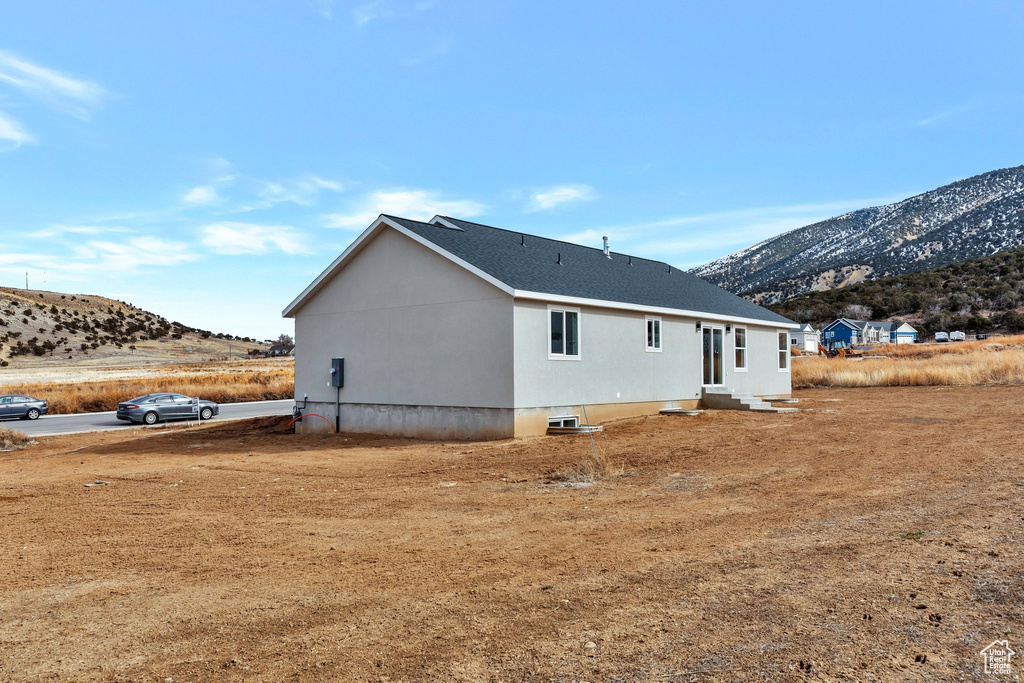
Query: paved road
point(50, 425)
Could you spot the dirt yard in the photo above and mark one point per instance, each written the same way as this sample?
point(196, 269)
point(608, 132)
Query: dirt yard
point(873, 536)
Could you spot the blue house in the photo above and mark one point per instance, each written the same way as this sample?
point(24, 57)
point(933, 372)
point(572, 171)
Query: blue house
point(844, 330)
point(851, 332)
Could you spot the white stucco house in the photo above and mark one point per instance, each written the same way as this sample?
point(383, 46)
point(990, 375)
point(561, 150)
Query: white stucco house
point(453, 329)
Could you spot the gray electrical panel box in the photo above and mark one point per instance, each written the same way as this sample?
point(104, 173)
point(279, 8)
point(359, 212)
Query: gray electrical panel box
point(337, 372)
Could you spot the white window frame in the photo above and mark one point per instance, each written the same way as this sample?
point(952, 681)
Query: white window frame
point(579, 333)
point(661, 333)
point(745, 347)
point(785, 351)
point(705, 325)
point(562, 419)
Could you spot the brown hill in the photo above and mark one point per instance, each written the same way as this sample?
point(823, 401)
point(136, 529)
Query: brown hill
point(43, 328)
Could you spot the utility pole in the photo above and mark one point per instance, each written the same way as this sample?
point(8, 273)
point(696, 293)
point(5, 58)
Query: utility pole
point(26, 279)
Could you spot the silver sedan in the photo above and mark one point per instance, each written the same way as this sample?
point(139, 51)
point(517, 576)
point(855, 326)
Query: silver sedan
point(153, 408)
point(21, 407)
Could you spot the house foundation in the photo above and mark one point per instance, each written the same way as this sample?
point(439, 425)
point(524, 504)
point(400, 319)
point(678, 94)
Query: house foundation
point(455, 422)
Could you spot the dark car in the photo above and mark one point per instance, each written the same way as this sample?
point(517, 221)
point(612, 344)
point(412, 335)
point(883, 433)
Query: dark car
point(153, 408)
point(21, 407)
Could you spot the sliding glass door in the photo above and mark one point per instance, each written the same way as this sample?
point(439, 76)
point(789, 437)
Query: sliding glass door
point(713, 339)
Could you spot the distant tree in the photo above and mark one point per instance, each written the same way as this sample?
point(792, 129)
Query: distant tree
point(285, 339)
point(858, 312)
point(978, 323)
point(1013, 321)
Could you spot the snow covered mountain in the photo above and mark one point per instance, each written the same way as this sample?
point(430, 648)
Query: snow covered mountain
point(967, 219)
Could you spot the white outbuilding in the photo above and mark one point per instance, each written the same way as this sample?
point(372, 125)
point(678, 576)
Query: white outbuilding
point(805, 338)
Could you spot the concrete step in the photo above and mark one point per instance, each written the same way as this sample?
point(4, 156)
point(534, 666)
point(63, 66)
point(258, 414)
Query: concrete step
point(726, 399)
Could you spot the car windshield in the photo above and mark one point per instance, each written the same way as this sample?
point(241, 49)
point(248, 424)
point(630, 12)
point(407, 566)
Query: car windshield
point(140, 399)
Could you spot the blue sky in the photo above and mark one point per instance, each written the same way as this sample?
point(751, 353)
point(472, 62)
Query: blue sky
point(206, 160)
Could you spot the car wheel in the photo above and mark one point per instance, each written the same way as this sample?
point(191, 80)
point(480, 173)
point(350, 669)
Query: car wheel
point(150, 418)
point(32, 414)
point(206, 413)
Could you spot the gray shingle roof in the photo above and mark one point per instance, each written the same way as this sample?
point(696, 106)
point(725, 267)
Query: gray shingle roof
point(538, 264)
point(855, 324)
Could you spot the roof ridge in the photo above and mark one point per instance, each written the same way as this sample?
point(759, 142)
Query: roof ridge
point(552, 239)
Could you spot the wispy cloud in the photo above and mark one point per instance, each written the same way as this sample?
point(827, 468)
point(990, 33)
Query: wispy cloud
point(438, 49)
point(416, 204)
point(204, 194)
point(250, 238)
point(325, 8)
point(941, 116)
point(253, 194)
point(76, 96)
point(60, 230)
point(141, 251)
point(12, 135)
point(545, 200)
point(301, 191)
point(365, 13)
point(96, 258)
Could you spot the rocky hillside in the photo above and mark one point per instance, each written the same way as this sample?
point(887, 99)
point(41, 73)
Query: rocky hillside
point(44, 325)
point(977, 295)
point(975, 217)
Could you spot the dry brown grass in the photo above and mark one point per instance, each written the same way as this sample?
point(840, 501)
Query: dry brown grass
point(953, 348)
point(222, 387)
point(589, 467)
point(965, 364)
point(11, 439)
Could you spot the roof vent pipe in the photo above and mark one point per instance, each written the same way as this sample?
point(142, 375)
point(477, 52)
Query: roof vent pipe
point(606, 252)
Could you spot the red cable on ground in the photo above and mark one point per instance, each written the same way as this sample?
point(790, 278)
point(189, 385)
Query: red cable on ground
point(296, 419)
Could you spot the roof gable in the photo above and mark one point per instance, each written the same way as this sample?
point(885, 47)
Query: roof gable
point(845, 322)
point(529, 263)
point(528, 266)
